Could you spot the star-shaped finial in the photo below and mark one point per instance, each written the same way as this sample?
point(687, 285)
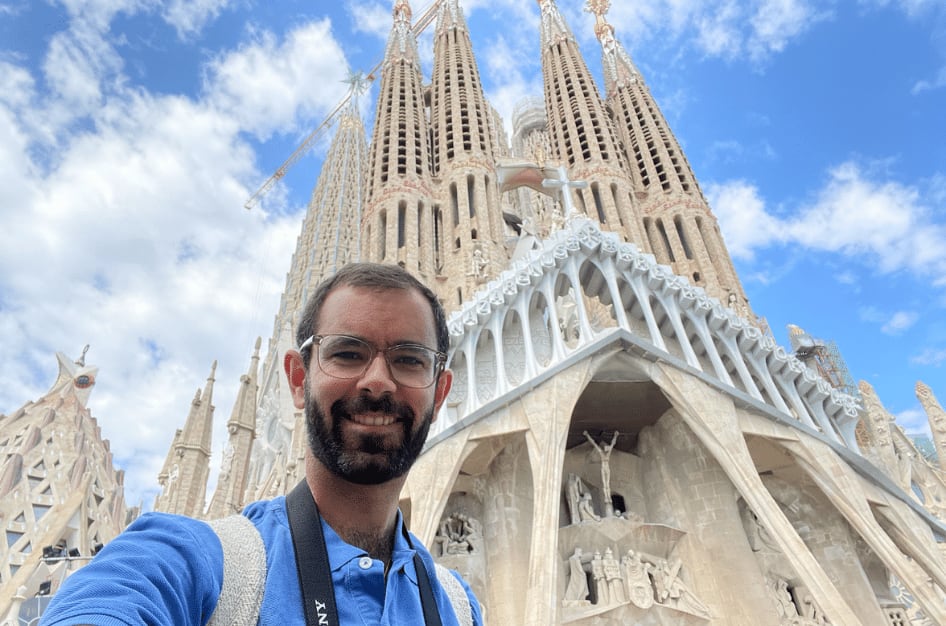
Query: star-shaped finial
point(357, 82)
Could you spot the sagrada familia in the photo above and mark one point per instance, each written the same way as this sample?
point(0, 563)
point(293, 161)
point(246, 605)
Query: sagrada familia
point(624, 443)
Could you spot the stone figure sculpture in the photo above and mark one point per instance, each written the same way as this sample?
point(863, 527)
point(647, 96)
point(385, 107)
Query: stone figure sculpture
point(640, 590)
point(612, 574)
point(586, 510)
point(574, 489)
point(672, 591)
point(576, 592)
point(604, 451)
point(459, 534)
point(601, 583)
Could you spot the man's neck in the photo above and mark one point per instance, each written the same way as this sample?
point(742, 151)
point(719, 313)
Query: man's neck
point(364, 516)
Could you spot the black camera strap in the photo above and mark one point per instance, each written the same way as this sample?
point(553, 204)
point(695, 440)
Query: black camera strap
point(315, 571)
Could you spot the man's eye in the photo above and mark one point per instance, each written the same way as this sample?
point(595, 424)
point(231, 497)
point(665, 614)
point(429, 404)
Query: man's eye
point(348, 355)
point(410, 360)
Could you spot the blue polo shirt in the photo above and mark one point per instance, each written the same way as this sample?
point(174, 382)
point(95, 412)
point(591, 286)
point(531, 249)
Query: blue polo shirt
point(168, 569)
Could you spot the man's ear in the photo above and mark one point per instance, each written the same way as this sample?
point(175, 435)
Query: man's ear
point(295, 374)
point(442, 390)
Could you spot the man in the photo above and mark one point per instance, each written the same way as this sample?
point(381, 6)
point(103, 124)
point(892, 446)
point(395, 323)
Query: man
point(369, 373)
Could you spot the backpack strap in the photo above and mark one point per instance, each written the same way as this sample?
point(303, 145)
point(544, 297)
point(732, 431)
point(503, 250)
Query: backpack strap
point(244, 572)
point(244, 576)
point(457, 595)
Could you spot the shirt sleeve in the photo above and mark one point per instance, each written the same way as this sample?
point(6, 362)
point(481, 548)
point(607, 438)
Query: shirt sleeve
point(163, 569)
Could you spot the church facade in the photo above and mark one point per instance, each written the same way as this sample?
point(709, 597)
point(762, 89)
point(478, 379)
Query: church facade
point(624, 442)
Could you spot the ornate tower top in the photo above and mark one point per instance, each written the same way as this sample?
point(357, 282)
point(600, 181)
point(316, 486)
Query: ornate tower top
point(553, 27)
point(619, 69)
point(450, 15)
point(402, 44)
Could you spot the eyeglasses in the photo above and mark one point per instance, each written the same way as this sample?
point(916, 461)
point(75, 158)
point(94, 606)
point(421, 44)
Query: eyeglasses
point(342, 356)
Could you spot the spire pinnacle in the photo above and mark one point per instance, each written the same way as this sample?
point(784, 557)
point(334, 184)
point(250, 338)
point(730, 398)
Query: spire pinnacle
point(619, 69)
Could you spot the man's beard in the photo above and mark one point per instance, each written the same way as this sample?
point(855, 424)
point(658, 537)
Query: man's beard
point(370, 461)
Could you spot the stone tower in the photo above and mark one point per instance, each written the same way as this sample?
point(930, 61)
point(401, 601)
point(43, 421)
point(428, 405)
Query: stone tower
point(581, 133)
point(463, 158)
point(229, 496)
point(187, 467)
point(680, 228)
point(401, 213)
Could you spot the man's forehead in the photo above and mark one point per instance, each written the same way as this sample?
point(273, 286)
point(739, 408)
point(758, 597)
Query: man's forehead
point(414, 312)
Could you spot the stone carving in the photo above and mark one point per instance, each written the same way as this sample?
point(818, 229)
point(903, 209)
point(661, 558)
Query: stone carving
point(638, 578)
point(574, 488)
point(782, 597)
point(612, 574)
point(478, 264)
point(604, 452)
point(672, 591)
point(576, 593)
point(459, 534)
point(758, 535)
point(601, 585)
point(795, 606)
point(637, 574)
point(586, 511)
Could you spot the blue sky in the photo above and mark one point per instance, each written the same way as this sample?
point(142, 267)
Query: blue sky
point(132, 132)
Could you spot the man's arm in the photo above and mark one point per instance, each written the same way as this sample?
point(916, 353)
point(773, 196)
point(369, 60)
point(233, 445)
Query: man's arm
point(164, 569)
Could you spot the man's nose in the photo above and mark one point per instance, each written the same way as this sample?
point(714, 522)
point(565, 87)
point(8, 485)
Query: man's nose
point(377, 378)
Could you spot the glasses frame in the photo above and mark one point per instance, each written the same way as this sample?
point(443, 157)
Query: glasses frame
point(316, 340)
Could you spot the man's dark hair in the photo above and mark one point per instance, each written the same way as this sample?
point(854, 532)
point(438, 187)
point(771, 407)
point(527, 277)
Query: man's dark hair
point(370, 276)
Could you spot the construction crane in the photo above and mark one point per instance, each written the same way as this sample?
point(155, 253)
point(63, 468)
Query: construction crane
point(419, 26)
point(824, 357)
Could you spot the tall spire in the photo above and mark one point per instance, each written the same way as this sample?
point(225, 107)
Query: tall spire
point(580, 130)
point(186, 485)
point(400, 195)
point(680, 228)
point(937, 417)
point(231, 484)
point(463, 149)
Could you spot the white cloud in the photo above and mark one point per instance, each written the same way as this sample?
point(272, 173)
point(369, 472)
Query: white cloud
point(723, 28)
point(882, 223)
point(930, 356)
point(743, 219)
point(134, 234)
point(913, 420)
point(188, 17)
point(899, 322)
point(267, 85)
point(375, 18)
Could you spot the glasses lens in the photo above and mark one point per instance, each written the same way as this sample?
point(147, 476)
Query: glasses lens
point(343, 357)
point(412, 366)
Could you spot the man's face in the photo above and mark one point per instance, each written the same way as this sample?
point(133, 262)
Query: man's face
point(369, 430)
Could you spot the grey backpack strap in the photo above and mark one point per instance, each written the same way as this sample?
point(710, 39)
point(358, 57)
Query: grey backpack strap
point(244, 572)
point(457, 595)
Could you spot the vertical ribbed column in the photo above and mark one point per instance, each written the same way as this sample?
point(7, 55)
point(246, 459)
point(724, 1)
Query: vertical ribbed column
point(464, 152)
